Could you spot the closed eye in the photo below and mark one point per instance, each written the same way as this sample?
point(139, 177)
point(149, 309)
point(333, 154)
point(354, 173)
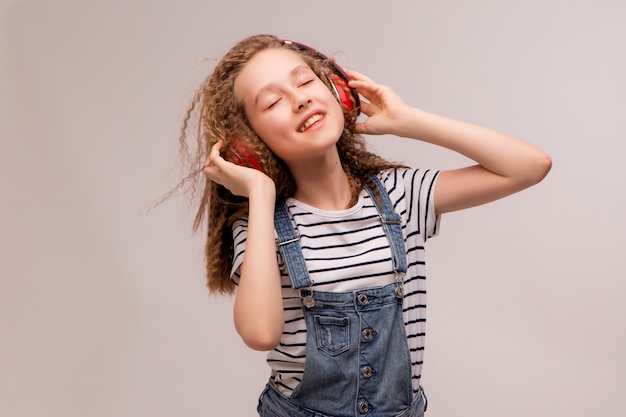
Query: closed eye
point(306, 82)
point(273, 104)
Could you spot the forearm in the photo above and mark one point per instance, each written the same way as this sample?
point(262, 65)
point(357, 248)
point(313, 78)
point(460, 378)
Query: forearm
point(258, 310)
point(497, 152)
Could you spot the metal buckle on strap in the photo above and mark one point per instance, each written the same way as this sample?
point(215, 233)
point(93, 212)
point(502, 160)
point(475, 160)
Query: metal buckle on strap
point(295, 239)
point(390, 220)
point(399, 291)
point(286, 242)
point(307, 298)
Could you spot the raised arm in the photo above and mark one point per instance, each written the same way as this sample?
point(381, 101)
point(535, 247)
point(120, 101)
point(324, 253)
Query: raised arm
point(258, 310)
point(505, 164)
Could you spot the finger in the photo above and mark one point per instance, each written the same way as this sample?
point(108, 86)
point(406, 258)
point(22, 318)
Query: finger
point(210, 167)
point(357, 75)
point(359, 128)
point(364, 128)
point(210, 170)
point(216, 148)
point(367, 108)
point(215, 157)
point(367, 89)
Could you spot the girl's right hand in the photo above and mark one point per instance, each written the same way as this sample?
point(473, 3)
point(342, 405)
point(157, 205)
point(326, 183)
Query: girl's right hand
point(238, 179)
point(383, 107)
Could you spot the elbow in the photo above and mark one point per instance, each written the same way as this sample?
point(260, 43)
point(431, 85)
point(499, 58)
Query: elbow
point(261, 341)
point(543, 166)
point(259, 327)
point(262, 335)
point(537, 169)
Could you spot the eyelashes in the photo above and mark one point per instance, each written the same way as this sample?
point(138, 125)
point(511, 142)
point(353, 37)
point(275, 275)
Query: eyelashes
point(273, 104)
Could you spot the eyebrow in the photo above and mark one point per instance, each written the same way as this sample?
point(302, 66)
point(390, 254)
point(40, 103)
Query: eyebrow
point(271, 86)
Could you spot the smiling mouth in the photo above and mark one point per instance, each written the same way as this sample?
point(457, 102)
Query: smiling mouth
point(311, 121)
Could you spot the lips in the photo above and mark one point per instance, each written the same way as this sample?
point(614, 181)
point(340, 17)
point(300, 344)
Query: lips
point(310, 121)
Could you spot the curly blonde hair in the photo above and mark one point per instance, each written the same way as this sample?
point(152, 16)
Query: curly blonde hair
point(218, 115)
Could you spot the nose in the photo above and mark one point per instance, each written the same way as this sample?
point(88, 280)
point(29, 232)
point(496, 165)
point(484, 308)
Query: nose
point(300, 102)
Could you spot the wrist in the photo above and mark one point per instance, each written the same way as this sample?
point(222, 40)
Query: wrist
point(408, 122)
point(263, 189)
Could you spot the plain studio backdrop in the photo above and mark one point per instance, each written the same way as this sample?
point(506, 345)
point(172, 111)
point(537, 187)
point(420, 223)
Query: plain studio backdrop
point(104, 311)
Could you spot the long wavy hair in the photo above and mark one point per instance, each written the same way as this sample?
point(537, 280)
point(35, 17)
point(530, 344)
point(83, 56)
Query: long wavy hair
point(215, 114)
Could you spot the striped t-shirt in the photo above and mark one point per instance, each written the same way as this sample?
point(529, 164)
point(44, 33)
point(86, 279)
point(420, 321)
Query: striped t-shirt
point(348, 250)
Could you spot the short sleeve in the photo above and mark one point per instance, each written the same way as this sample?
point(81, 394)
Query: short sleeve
point(240, 235)
point(420, 194)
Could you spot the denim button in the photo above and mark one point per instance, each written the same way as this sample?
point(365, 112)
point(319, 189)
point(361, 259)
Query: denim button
point(362, 299)
point(308, 301)
point(368, 334)
point(363, 407)
point(367, 372)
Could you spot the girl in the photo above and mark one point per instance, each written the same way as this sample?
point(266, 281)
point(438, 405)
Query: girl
point(322, 241)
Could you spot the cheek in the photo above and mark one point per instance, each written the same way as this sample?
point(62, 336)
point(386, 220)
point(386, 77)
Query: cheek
point(268, 122)
point(339, 115)
point(334, 103)
point(267, 129)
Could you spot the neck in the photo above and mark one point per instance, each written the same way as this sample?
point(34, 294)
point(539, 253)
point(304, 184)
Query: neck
point(324, 185)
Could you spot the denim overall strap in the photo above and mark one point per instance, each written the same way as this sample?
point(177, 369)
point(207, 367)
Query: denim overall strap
point(392, 225)
point(288, 243)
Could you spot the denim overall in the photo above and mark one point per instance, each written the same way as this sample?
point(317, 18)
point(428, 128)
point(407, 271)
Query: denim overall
point(357, 356)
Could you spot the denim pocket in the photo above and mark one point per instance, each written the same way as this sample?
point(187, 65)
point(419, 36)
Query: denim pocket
point(333, 334)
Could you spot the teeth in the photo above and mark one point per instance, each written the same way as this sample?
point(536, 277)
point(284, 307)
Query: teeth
point(310, 121)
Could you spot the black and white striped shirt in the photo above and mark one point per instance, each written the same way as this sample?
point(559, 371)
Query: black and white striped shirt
point(348, 250)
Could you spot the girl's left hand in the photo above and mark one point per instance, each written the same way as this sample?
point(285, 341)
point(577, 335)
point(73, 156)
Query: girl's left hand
point(384, 106)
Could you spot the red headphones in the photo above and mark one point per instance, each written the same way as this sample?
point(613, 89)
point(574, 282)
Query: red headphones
point(338, 79)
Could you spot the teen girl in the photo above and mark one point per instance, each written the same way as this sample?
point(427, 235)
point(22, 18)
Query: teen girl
point(321, 241)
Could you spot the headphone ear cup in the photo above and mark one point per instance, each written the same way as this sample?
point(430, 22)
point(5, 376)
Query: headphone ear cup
point(245, 156)
point(341, 89)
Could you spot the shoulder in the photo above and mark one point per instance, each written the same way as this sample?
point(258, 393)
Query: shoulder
point(411, 191)
point(404, 181)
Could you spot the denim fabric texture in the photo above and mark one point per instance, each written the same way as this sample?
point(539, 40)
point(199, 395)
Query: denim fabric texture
point(392, 225)
point(273, 404)
point(288, 243)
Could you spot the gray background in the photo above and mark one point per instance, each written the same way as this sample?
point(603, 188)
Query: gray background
point(103, 311)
